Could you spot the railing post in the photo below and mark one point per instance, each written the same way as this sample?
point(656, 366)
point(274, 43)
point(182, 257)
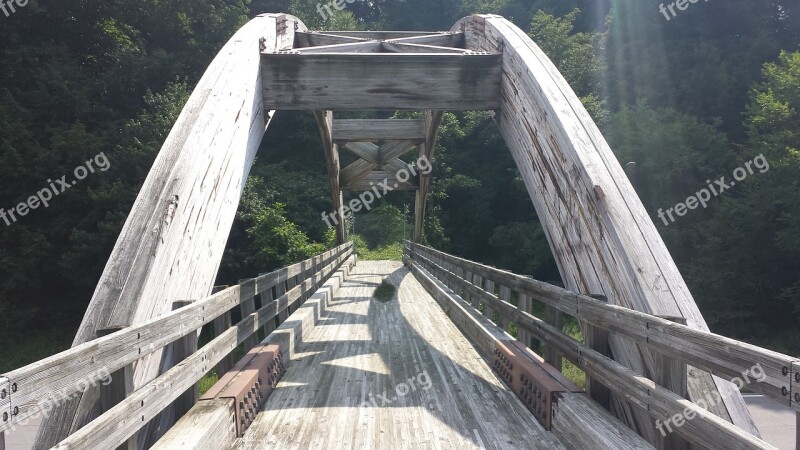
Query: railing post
point(119, 388)
point(247, 303)
point(266, 298)
point(671, 374)
point(524, 304)
point(505, 295)
point(182, 349)
point(221, 324)
point(487, 310)
point(552, 356)
point(477, 280)
point(597, 339)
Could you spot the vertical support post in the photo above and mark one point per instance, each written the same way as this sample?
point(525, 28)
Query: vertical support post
point(247, 303)
point(555, 318)
point(325, 124)
point(488, 311)
point(671, 374)
point(524, 305)
point(266, 298)
point(221, 324)
point(280, 291)
point(432, 121)
point(477, 280)
point(597, 339)
point(120, 387)
point(505, 295)
point(182, 349)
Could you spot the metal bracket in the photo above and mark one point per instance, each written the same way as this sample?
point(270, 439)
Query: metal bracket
point(7, 408)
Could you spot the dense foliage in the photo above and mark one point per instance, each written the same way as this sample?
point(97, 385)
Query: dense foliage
point(681, 101)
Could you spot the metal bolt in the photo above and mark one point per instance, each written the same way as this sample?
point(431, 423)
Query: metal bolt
point(16, 411)
point(797, 377)
point(797, 397)
point(3, 394)
point(784, 391)
point(14, 388)
point(5, 417)
point(785, 371)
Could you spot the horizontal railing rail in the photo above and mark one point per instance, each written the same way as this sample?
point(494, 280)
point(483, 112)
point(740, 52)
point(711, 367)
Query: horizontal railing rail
point(723, 356)
point(69, 373)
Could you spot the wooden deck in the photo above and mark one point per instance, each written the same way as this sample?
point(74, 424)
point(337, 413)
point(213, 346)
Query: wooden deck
point(391, 375)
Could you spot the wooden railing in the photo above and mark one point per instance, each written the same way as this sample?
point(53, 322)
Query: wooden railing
point(489, 289)
point(69, 373)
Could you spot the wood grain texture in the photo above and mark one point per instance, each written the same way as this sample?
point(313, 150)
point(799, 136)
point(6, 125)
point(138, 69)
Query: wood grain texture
point(433, 120)
point(363, 348)
point(381, 81)
point(581, 425)
point(704, 428)
point(173, 239)
point(325, 124)
point(209, 423)
point(119, 423)
point(369, 130)
point(600, 234)
point(721, 355)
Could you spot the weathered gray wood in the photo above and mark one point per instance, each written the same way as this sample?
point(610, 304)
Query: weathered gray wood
point(580, 425)
point(381, 35)
point(374, 179)
point(116, 426)
point(584, 199)
point(372, 348)
point(325, 124)
point(432, 121)
point(247, 292)
point(555, 318)
point(210, 426)
point(597, 339)
point(221, 325)
point(118, 389)
point(352, 47)
point(387, 155)
point(396, 47)
point(718, 354)
point(704, 428)
point(451, 39)
point(59, 375)
point(187, 346)
point(315, 39)
point(369, 130)
point(386, 81)
point(671, 373)
point(176, 233)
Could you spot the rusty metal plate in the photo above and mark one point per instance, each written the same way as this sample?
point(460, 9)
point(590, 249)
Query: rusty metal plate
point(531, 379)
point(249, 384)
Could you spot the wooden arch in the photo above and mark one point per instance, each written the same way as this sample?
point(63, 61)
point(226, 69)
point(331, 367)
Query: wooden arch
point(173, 241)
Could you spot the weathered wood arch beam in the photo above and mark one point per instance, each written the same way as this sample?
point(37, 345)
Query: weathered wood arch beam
point(433, 120)
point(316, 39)
point(175, 235)
point(602, 238)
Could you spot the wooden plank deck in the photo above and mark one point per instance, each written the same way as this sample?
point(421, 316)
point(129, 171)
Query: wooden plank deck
point(390, 375)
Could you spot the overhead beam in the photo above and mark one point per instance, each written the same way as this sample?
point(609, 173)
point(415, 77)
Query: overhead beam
point(432, 121)
point(455, 40)
point(381, 81)
point(325, 124)
point(316, 39)
point(349, 47)
point(380, 35)
point(387, 155)
point(396, 47)
point(383, 182)
point(360, 130)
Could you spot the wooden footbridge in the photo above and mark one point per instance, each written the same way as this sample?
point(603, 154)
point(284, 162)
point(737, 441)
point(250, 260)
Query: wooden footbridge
point(307, 358)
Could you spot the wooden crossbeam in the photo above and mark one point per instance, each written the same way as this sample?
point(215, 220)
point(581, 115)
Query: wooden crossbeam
point(384, 157)
point(381, 81)
point(316, 39)
point(349, 47)
point(378, 179)
point(396, 47)
point(359, 130)
point(455, 40)
point(385, 35)
point(325, 123)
